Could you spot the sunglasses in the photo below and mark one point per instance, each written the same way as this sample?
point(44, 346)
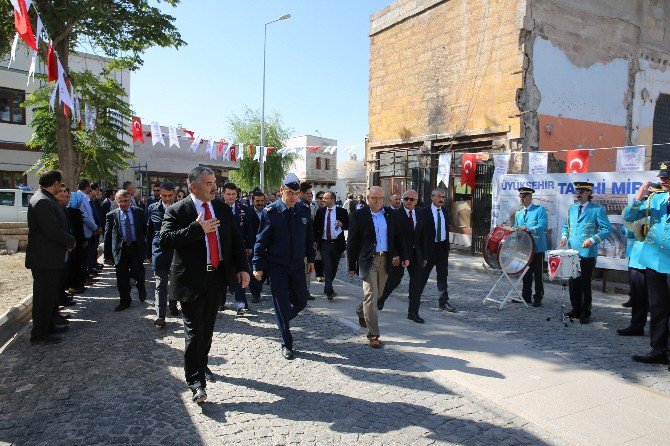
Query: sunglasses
point(408, 199)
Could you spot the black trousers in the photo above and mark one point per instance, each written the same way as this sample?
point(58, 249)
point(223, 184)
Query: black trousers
point(199, 318)
point(534, 273)
point(638, 297)
point(415, 284)
point(441, 264)
point(318, 268)
point(330, 256)
point(129, 265)
point(658, 286)
point(77, 267)
point(580, 288)
point(45, 296)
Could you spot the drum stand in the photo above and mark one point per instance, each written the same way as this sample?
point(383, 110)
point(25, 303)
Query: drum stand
point(514, 289)
point(562, 315)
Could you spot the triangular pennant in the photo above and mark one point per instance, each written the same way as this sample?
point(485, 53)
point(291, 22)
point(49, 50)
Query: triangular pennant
point(195, 143)
point(172, 133)
point(156, 134)
point(23, 26)
point(554, 263)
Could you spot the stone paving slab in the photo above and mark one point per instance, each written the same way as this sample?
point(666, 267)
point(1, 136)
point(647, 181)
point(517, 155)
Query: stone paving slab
point(116, 379)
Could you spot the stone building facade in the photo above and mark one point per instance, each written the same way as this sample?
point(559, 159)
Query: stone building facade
point(314, 166)
point(512, 76)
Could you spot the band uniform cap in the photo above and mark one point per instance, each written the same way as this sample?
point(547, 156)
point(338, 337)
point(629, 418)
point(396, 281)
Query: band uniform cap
point(291, 181)
point(526, 190)
point(664, 169)
point(585, 185)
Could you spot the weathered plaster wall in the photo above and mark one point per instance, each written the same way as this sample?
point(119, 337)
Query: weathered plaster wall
point(650, 82)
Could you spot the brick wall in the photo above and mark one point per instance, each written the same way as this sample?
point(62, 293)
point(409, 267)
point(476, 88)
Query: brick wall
point(444, 67)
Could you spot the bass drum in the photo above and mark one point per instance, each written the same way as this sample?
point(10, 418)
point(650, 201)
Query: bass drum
point(509, 249)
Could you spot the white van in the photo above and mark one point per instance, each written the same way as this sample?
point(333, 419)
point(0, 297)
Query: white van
point(14, 205)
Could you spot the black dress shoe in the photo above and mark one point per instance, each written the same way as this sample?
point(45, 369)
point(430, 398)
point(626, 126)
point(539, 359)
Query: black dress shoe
point(287, 353)
point(651, 359)
point(199, 395)
point(59, 329)
point(121, 307)
point(143, 295)
point(446, 306)
point(527, 300)
point(627, 304)
point(330, 296)
point(45, 340)
point(160, 322)
point(69, 303)
point(537, 303)
point(630, 331)
point(175, 312)
point(209, 375)
point(584, 319)
point(415, 317)
point(380, 304)
point(256, 299)
point(573, 314)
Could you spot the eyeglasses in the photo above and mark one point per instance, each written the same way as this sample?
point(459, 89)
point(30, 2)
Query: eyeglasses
point(523, 195)
point(408, 199)
point(375, 198)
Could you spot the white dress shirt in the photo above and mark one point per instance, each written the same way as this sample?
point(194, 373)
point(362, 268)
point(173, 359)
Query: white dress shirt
point(198, 209)
point(334, 232)
point(407, 211)
point(435, 210)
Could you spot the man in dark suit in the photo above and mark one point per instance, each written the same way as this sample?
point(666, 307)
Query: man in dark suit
point(251, 225)
point(373, 245)
point(125, 247)
point(49, 242)
point(107, 202)
point(410, 222)
point(330, 222)
point(208, 255)
point(160, 258)
point(436, 246)
point(239, 212)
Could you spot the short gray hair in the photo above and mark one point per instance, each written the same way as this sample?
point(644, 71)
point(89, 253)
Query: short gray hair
point(438, 191)
point(121, 193)
point(197, 172)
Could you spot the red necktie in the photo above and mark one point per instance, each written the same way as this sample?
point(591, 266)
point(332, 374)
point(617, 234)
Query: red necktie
point(411, 219)
point(328, 226)
point(213, 241)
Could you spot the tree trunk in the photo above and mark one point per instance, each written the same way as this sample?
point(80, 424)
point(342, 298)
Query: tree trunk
point(69, 160)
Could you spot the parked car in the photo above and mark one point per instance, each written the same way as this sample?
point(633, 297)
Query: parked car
point(14, 204)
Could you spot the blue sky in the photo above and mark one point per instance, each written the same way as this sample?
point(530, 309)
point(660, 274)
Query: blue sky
point(317, 67)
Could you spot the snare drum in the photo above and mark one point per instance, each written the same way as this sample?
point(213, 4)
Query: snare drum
point(563, 264)
point(509, 249)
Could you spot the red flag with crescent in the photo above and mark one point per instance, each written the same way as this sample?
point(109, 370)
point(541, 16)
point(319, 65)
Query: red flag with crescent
point(554, 263)
point(23, 26)
point(469, 169)
point(52, 67)
point(137, 129)
point(577, 161)
point(251, 150)
point(219, 150)
point(233, 153)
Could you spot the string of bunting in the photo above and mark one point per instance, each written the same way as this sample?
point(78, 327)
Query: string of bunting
point(219, 148)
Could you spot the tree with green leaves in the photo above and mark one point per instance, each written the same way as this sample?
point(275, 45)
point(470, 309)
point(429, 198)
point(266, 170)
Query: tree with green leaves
point(118, 29)
point(247, 128)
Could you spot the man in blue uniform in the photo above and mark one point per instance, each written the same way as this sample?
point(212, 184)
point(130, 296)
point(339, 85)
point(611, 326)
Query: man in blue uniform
point(285, 238)
point(655, 258)
point(638, 287)
point(533, 218)
point(585, 228)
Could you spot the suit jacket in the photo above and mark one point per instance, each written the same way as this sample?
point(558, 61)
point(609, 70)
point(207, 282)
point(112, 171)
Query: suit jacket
point(593, 223)
point(181, 232)
point(160, 258)
point(251, 225)
point(535, 220)
point(96, 207)
point(114, 236)
point(319, 221)
point(76, 222)
point(412, 236)
point(429, 248)
point(106, 207)
point(362, 240)
point(48, 233)
point(239, 215)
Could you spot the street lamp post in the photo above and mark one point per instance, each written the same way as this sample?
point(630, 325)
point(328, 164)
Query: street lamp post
point(262, 154)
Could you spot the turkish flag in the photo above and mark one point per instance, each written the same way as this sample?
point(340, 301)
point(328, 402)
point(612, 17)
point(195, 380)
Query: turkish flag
point(23, 26)
point(220, 148)
point(251, 149)
point(313, 148)
point(577, 161)
point(189, 133)
point(270, 149)
point(233, 153)
point(469, 169)
point(137, 129)
point(52, 65)
point(554, 263)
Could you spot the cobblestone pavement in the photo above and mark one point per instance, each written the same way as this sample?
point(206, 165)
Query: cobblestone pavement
point(116, 379)
point(594, 346)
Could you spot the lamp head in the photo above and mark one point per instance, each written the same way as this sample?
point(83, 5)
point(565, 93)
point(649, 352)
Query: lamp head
point(285, 16)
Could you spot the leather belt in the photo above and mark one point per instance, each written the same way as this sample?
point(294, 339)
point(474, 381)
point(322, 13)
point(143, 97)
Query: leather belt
point(210, 267)
point(381, 254)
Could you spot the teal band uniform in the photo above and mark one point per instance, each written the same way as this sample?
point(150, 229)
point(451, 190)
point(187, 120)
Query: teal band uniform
point(593, 223)
point(656, 246)
point(633, 250)
point(536, 222)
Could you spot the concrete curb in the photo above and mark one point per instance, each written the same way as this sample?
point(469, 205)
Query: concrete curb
point(14, 319)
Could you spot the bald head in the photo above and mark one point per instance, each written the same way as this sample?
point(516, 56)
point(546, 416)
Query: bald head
point(375, 198)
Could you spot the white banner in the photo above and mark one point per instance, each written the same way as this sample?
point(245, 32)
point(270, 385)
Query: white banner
point(89, 117)
point(210, 148)
point(630, 159)
point(556, 192)
point(444, 169)
point(195, 143)
point(172, 134)
point(501, 163)
point(12, 55)
point(156, 134)
point(537, 163)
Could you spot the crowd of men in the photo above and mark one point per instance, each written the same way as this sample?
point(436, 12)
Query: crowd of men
point(202, 248)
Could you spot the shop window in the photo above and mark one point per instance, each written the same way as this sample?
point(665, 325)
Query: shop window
point(11, 111)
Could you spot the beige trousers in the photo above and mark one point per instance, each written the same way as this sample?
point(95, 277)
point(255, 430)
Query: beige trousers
point(373, 287)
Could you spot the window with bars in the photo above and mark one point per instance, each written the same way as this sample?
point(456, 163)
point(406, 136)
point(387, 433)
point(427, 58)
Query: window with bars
point(11, 111)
